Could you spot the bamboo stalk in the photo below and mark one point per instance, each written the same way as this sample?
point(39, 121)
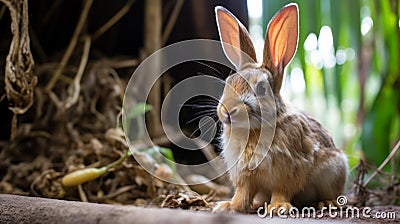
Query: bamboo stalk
point(152, 42)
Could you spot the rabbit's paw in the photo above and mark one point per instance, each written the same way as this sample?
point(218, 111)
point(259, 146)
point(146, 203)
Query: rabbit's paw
point(280, 208)
point(223, 206)
point(328, 204)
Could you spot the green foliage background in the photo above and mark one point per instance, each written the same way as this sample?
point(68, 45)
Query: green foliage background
point(364, 93)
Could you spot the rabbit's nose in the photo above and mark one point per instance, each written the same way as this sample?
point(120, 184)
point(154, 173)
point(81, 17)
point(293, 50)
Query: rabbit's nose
point(225, 115)
point(233, 111)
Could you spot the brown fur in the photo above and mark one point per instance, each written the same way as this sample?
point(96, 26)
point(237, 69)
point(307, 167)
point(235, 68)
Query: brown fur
point(302, 165)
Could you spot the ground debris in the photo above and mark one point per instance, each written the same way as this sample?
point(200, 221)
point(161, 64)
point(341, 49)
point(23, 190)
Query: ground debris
point(183, 199)
point(385, 190)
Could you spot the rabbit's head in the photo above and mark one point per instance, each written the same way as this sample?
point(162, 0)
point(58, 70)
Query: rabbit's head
point(249, 93)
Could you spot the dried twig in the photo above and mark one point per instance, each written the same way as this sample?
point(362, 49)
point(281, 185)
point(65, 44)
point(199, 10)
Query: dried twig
point(19, 80)
point(119, 191)
point(71, 46)
point(168, 197)
point(388, 158)
point(113, 20)
point(82, 194)
point(2, 11)
point(119, 63)
point(53, 10)
point(75, 87)
point(172, 21)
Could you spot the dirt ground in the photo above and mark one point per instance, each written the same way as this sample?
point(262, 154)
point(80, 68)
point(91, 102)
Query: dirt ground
point(21, 209)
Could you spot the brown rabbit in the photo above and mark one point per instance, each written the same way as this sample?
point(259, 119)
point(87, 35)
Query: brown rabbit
point(296, 165)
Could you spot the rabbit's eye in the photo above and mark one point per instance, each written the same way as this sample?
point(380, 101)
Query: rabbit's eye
point(260, 89)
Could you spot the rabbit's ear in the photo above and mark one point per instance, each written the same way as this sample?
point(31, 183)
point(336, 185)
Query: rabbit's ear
point(281, 42)
point(235, 39)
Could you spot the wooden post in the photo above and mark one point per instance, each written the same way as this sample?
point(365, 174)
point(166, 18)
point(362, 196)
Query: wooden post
point(152, 42)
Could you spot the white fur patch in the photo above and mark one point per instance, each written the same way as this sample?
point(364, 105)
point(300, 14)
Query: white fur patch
point(316, 147)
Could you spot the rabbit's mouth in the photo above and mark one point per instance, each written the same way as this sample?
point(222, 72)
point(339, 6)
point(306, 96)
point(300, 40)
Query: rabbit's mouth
point(235, 117)
point(226, 120)
point(239, 116)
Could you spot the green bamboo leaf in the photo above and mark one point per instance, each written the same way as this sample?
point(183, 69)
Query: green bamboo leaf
point(308, 24)
point(138, 109)
point(382, 118)
point(167, 156)
point(379, 121)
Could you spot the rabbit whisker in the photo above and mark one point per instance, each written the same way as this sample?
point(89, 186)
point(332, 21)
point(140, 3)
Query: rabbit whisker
point(199, 106)
point(200, 115)
point(218, 79)
point(202, 125)
point(220, 75)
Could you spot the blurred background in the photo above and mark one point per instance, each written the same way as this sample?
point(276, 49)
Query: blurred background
point(345, 73)
point(346, 70)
